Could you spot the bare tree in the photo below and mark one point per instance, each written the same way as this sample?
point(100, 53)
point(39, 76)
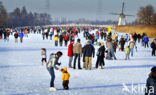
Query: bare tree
point(144, 15)
point(3, 16)
point(153, 19)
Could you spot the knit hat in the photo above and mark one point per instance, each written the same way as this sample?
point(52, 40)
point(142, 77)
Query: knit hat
point(153, 69)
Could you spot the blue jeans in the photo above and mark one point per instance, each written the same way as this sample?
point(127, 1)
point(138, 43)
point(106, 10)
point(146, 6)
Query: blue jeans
point(131, 51)
point(70, 61)
point(50, 36)
point(127, 56)
point(111, 51)
point(52, 74)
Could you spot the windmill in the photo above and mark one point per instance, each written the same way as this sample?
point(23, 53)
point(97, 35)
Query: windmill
point(122, 16)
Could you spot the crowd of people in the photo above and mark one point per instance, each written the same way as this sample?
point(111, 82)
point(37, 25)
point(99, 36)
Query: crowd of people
point(110, 43)
point(107, 41)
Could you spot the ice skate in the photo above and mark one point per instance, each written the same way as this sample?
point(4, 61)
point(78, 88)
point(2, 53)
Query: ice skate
point(52, 89)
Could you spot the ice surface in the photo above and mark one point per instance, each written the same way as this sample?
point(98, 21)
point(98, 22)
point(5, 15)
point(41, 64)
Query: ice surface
point(21, 73)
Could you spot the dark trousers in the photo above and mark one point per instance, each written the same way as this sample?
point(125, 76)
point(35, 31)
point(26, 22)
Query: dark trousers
point(52, 74)
point(56, 43)
point(75, 58)
point(46, 36)
point(66, 42)
point(138, 40)
point(43, 37)
point(146, 44)
point(122, 47)
point(21, 40)
point(43, 59)
point(65, 84)
point(100, 61)
point(51, 37)
point(153, 52)
point(101, 37)
point(60, 43)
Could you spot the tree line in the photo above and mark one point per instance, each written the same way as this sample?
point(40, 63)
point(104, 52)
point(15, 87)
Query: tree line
point(21, 17)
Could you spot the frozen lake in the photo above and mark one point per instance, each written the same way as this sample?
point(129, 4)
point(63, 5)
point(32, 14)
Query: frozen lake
point(21, 73)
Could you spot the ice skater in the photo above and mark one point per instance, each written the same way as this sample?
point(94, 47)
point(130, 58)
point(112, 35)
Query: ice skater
point(44, 56)
point(127, 53)
point(52, 63)
point(65, 78)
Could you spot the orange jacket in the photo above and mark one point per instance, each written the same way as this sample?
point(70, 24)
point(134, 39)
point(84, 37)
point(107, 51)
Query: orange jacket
point(65, 74)
point(26, 32)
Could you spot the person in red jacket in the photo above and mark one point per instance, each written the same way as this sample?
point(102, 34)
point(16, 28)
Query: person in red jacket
point(93, 36)
point(66, 39)
point(70, 52)
point(98, 34)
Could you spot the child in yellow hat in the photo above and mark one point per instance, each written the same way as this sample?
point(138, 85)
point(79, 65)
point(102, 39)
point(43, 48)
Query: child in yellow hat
point(65, 78)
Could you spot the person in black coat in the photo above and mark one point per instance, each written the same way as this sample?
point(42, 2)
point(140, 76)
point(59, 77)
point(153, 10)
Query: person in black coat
point(100, 56)
point(83, 54)
point(47, 33)
point(1, 32)
point(139, 37)
point(61, 37)
point(5, 35)
point(153, 46)
point(135, 37)
point(102, 34)
point(122, 43)
point(16, 37)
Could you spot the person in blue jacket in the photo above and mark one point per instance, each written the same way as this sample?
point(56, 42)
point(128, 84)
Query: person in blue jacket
point(89, 52)
point(126, 37)
point(21, 36)
point(146, 39)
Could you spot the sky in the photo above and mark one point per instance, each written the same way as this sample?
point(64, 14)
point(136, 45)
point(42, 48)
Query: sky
point(75, 9)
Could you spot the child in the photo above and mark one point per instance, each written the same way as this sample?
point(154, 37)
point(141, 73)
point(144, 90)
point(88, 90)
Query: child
point(44, 56)
point(65, 78)
point(127, 52)
point(56, 40)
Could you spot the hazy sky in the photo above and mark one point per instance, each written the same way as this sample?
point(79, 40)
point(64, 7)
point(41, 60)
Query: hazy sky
point(74, 9)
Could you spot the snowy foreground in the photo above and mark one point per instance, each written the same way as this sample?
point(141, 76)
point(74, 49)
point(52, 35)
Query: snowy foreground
point(21, 73)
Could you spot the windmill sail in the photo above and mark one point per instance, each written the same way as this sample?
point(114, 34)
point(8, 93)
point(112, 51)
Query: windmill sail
point(122, 20)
